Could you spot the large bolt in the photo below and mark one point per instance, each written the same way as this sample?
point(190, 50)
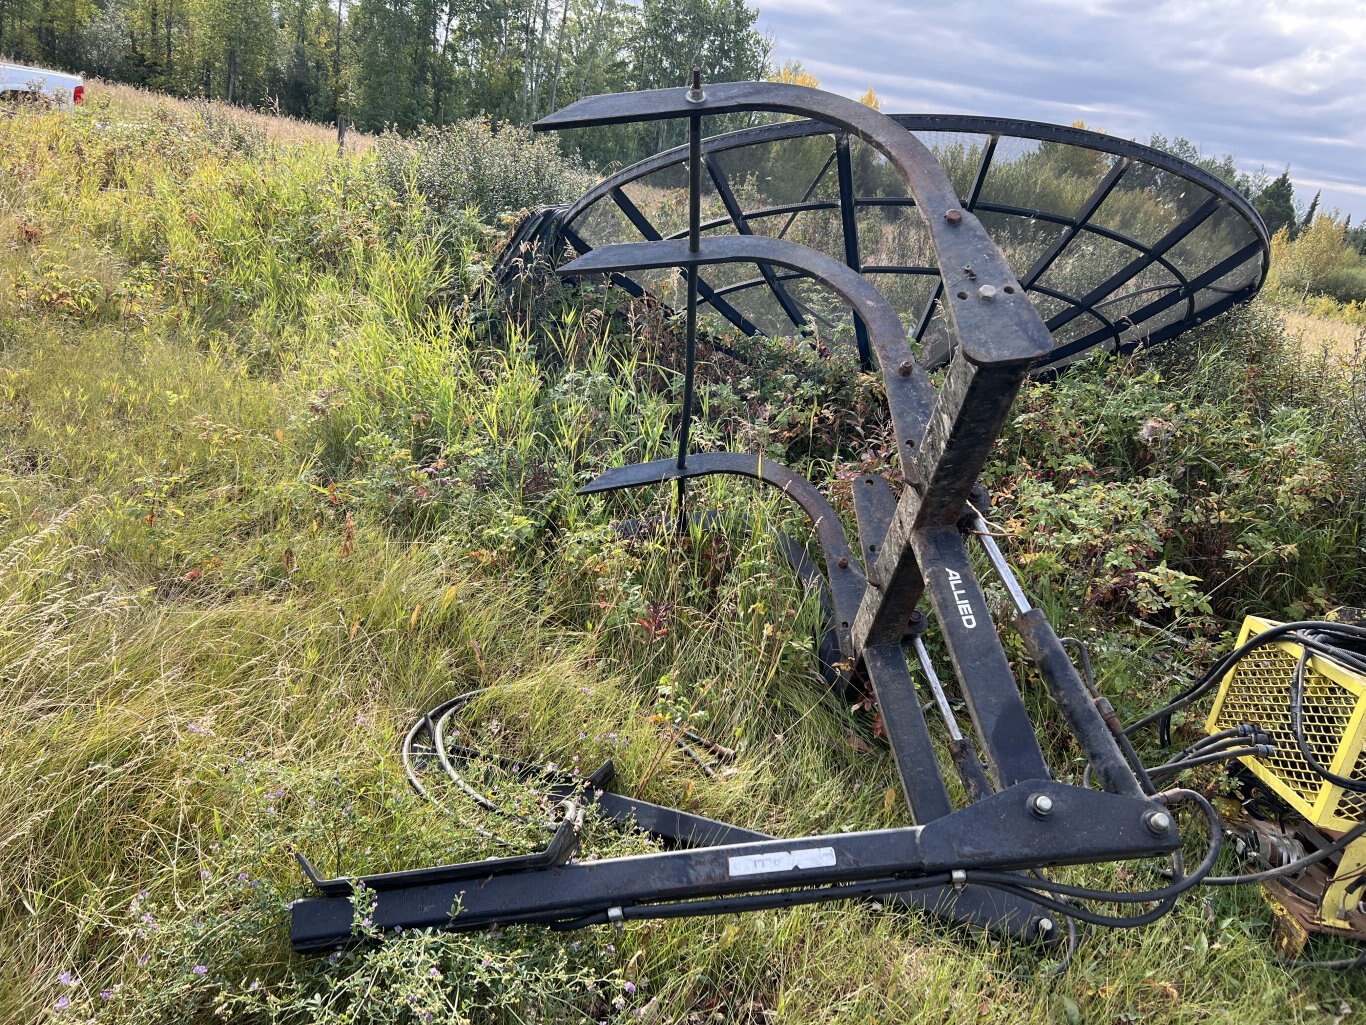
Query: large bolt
point(1158, 822)
point(1041, 805)
point(953, 216)
point(1044, 926)
point(695, 94)
point(987, 292)
point(844, 563)
point(906, 368)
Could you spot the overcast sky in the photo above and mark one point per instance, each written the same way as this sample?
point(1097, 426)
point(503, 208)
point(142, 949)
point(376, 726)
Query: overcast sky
point(1273, 82)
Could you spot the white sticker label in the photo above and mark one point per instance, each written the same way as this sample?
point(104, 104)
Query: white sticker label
point(782, 861)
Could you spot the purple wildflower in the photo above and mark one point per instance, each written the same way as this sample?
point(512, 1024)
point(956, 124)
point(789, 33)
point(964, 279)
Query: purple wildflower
point(200, 969)
point(630, 987)
point(66, 978)
point(63, 1002)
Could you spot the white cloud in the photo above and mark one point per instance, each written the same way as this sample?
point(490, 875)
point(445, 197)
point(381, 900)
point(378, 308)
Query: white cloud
point(1274, 82)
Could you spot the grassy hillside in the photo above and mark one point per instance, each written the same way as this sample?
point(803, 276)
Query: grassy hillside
point(279, 473)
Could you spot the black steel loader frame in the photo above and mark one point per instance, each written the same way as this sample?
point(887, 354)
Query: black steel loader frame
point(910, 548)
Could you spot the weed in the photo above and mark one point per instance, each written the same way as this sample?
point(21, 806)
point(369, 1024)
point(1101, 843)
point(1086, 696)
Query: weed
point(279, 476)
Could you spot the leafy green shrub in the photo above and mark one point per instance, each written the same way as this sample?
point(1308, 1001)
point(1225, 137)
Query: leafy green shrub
point(470, 164)
point(1221, 461)
point(1345, 284)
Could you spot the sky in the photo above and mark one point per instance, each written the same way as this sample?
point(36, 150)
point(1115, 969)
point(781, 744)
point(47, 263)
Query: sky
point(1273, 82)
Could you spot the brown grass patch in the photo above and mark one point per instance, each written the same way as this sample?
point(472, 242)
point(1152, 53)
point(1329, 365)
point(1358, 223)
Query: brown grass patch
point(278, 128)
point(1339, 337)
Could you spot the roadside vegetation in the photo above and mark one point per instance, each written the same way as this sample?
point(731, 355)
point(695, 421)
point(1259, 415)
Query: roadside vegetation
point(280, 472)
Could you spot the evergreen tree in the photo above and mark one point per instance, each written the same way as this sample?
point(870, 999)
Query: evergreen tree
point(1276, 203)
point(1313, 209)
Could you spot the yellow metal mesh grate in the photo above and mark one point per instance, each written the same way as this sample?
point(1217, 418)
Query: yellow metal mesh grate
point(1353, 806)
point(1259, 693)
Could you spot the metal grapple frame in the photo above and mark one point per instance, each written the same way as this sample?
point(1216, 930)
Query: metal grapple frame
point(912, 550)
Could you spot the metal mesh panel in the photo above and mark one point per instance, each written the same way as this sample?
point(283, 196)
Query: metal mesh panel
point(1259, 693)
point(1115, 231)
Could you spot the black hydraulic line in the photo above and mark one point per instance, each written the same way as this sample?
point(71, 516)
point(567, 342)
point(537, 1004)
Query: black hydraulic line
point(1061, 907)
point(1343, 964)
point(1173, 768)
point(1355, 786)
point(756, 901)
point(1241, 736)
point(1174, 889)
point(1166, 897)
point(1235, 733)
point(1211, 676)
point(1299, 865)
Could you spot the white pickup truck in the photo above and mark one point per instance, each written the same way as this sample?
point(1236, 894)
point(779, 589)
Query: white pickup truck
point(55, 88)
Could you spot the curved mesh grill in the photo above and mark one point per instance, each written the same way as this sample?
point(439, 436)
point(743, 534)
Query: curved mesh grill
point(1118, 245)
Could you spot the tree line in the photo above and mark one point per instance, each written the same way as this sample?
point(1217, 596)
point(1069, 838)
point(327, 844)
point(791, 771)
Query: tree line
point(395, 63)
point(400, 64)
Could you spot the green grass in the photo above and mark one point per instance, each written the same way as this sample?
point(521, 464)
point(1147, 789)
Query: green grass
point(278, 475)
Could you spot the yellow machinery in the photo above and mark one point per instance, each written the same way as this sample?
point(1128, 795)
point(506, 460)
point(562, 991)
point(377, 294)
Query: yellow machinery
point(1258, 690)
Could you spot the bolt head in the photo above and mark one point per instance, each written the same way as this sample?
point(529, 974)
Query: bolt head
point(1045, 926)
point(987, 292)
point(1041, 805)
point(1158, 822)
point(953, 216)
point(906, 368)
